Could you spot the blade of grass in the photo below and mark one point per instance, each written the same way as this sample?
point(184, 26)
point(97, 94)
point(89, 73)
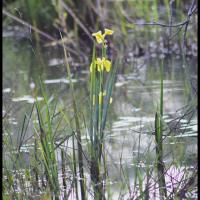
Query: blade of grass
point(79, 143)
point(159, 142)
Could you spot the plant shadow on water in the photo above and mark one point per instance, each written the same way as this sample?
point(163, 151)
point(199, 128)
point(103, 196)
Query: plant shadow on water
point(40, 127)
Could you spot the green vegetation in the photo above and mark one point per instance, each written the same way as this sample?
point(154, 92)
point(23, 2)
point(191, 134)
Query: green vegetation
point(91, 126)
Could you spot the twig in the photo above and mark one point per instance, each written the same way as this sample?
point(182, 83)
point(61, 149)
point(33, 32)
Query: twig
point(191, 10)
point(77, 20)
point(28, 25)
point(49, 37)
point(180, 25)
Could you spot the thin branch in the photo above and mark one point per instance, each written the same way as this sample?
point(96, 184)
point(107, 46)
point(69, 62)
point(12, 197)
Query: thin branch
point(77, 20)
point(49, 37)
point(28, 25)
point(191, 10)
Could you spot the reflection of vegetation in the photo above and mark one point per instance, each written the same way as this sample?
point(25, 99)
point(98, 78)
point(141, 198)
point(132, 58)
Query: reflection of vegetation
point(21, 66)
point(16, 65)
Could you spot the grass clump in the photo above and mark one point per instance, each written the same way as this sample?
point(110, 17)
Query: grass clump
point(100, 98)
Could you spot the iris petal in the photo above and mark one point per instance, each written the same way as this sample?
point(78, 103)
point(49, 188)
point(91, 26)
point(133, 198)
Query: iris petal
point(107, 65)
point(100, 98)
point(108, 31)
point(99, 37)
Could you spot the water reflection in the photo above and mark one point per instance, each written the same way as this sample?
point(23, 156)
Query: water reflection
point(130, 127)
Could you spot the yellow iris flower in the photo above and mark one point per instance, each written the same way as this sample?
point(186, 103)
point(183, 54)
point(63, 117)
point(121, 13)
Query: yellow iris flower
point(107, 64)
point(99, 64)
point(103, 63)
point(100, 37)
point(108, 31)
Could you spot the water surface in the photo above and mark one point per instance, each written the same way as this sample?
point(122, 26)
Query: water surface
point(130, 125)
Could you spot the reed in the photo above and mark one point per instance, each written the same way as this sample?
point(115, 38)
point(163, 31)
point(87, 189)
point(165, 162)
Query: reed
point(46, 145)
point(159, 142)
point(78, 130)
point(100, 98)
point(44, 164)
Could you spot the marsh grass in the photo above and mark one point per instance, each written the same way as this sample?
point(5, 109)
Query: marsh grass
point(99, 105)
point(47, 148)
point(159, 141)
point(45, 162)
point(42, 173)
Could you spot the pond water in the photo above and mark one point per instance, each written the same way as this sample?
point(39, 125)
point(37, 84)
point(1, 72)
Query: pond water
point(130, 125)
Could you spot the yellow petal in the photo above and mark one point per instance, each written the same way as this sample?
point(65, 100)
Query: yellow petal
point(97, 33)
point(91, 68)
point(107, 65)
point(108, 31)
point(100, 98)
point(111, 100)
point(99, 68)
point(100, 65)
point(99, 37)
point(98, 61)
